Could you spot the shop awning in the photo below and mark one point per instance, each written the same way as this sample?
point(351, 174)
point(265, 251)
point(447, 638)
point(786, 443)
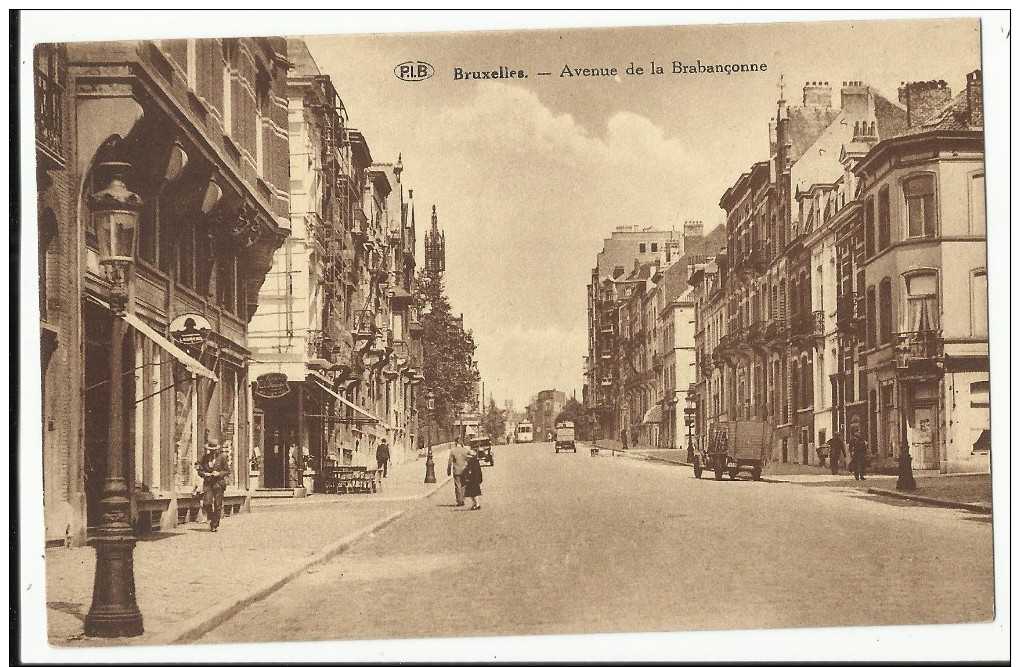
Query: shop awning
point(653, 416)
point(177, 353)
point(323, 383)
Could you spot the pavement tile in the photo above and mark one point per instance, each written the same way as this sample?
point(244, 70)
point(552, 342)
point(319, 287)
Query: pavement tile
point(182, 574)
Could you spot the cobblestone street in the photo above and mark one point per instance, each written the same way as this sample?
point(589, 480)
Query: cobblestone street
point(570, 543)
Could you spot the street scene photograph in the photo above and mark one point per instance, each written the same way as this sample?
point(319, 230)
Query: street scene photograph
point(435, 342)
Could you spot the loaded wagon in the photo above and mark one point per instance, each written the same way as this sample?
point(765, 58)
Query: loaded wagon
point(735, 446)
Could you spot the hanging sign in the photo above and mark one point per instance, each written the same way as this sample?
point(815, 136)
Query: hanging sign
point(271, 385)
point(189, 328)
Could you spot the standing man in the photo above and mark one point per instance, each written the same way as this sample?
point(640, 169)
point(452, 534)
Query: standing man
point(455, 466)
point(213, 468)
point(382, 456)
point(858, 451)
point(836, 452)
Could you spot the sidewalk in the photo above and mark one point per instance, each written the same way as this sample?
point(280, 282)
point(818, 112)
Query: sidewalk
point(968, 491)
point(190, 580)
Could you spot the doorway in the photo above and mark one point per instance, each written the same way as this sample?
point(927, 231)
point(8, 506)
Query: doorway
point(923, 451)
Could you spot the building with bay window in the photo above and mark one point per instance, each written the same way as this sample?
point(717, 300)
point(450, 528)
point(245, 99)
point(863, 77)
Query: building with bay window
point(200, 128)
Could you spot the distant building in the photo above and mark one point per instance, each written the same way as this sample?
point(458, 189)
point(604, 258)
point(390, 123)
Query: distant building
point(544, 409)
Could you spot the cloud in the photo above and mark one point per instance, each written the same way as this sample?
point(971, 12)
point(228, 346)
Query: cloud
point(526, 197)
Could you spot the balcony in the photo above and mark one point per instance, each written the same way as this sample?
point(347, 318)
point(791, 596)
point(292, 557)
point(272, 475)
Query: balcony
point(848, 314)
point(606, 381)
point(414, 323)
point(49, 119)
point(361, 226)
point(320, 349)
point(919, 352)
point(777, 331)
point(364, 324)
point(818, 317)
point(758, 257)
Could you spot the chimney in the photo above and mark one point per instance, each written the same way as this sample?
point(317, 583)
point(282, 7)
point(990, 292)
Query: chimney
point(817, 94)
point(975, 104)
point(853, 98)
point(923, 99)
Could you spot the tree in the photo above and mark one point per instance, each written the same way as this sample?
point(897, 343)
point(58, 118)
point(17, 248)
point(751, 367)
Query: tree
point(494, 423)
point(447, 350)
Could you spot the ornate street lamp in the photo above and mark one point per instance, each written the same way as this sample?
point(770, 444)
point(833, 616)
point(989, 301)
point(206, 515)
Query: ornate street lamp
point(430, 463)
point(114, 611)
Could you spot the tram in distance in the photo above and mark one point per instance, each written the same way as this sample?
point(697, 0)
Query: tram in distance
point(523, 432)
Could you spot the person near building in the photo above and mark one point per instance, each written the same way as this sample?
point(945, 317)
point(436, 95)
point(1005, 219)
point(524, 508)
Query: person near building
point(472, 479)
point(858, 452)
point(213, 468)
point(455, 466)
point(382, 457)
point(837, 451)
point(295, 467)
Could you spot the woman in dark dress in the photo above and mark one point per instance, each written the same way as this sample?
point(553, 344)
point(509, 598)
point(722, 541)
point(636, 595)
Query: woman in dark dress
point(472, 478)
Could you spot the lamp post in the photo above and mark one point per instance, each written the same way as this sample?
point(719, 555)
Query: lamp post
point(905, 478)
point(689, 423)
point(114, 611)
point(430, 463)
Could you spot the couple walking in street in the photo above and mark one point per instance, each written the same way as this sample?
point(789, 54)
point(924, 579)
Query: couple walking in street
point(858, 452)
point(467, 474)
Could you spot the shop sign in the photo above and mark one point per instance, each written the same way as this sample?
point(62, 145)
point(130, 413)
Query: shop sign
point(189, 329)
point(272, 385)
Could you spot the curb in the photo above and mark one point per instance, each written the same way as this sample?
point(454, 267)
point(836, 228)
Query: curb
point(937, 502)
point(210, 620)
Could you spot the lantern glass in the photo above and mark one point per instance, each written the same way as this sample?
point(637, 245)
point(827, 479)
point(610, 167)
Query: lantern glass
point(123, 224)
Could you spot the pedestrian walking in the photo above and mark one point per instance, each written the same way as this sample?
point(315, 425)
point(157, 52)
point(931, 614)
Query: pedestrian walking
point(472, 478)
point(382, 457)
point(295, 467)
point(837, 451)
point(455, 466)
point(213, 468)
point(858, 452)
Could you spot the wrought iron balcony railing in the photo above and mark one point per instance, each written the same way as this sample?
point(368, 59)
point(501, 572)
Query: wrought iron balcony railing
point(364, 324)
point(917, 347)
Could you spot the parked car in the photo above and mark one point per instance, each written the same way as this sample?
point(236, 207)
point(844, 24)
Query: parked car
point(735, 446)
point(565, 437)
point(483, 449)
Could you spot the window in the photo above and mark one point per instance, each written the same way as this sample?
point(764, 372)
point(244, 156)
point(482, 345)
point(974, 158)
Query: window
point(47, 259)
point(192, 73)
point(919, 193)
point(641, 247)
point(885, 311)
point(229, 55)
point(871, 318)
point(884, 232)
point(261, 114)
point(922, 309)
point(655, 247)
point(977, 204)
point(226, 282)
point(979, 303)
point(869, 227)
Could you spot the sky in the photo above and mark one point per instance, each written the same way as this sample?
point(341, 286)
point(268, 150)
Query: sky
point(530, 175)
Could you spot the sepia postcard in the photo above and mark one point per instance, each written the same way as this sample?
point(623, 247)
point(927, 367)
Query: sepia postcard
point(547, 335)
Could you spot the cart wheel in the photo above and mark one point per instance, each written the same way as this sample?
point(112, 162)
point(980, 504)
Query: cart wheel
point(756, 473)
point(697, 468)
point(733, 473)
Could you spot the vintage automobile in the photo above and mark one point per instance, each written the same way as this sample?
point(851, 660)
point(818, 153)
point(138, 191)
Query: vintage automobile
point(564, 437)
point(483, 449)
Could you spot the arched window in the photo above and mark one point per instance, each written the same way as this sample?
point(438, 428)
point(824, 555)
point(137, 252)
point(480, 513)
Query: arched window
point(919, 193)
point(979, 303)
point(871, 319)
point(885, 311)
point(884, 224)
point(869, 227)
point(977, 204)
point(922, 301)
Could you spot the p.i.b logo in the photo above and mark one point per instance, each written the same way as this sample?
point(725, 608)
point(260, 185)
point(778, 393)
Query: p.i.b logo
point(414, 70)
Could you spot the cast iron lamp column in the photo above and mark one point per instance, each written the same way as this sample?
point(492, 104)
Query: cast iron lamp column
point(114, 611)
point(905, 480)
point(430, 463)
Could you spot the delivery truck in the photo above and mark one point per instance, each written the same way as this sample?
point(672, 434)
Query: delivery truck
point(734, 446)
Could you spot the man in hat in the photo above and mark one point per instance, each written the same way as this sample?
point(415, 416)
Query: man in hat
point(455, 466)
point(382, 456)
point(214, 468)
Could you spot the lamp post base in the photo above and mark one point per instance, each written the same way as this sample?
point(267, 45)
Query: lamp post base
point(114, 611)
point(430, 468)
point(905, 480)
